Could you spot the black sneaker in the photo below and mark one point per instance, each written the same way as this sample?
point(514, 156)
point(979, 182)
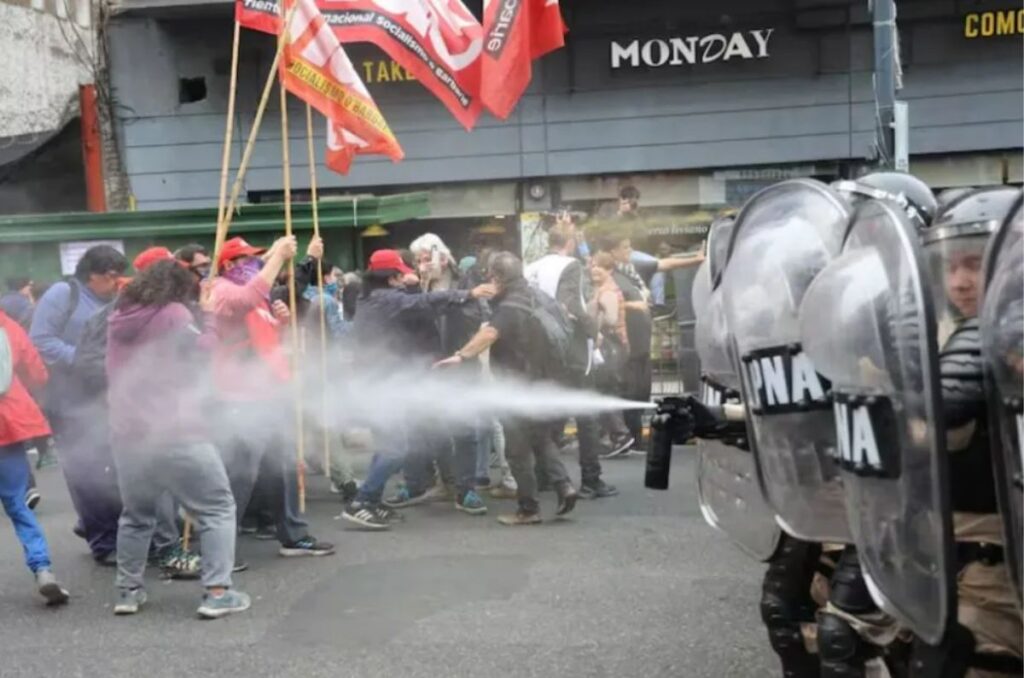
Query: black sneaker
point(307, 546)
point(32, 498)
point(365, 516)
point(266, 533)
point(597, 490)
point(567, 496)
point(620, 446)
point(389, 514)
point(108, 559)
point(240, 565)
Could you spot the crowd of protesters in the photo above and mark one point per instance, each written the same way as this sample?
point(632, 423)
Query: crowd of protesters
point(114, 369)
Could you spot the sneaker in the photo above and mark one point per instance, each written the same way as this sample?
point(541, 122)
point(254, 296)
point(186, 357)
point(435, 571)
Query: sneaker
point(108, 559)
point(504, 492)
point(247, 529)
point(403, 498)
point(32, 498)
point(129, 601)
point(349, 491)
point(229, 602)
point(471, 503)
point(240, 565)
point(567, 497)
point(79, 530)
point(50, 588)
point(307, 546)
point(266, 533)
point(388, 514)
point(364, 516)
point(597, 490)
point(520, 518)
point(177, 563)
point(619, 447)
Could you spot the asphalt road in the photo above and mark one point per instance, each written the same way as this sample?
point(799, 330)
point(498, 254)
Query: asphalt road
point(632, 586)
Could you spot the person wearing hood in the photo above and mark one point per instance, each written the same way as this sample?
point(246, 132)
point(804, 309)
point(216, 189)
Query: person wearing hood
point(252, 377)
point(157, 368)
point(21, 420)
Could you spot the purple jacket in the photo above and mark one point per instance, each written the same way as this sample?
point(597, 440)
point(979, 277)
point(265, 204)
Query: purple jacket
point(157, 366)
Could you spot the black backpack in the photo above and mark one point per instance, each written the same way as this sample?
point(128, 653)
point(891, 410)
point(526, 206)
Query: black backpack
point(89, 367)
point(550, 337)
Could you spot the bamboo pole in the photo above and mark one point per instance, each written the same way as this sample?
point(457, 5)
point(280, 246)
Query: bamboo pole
point(320, 286)
point(229, 125)
point(223, 224)
point(294, 321)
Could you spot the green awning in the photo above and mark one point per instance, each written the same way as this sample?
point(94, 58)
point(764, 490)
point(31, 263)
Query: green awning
point(334, 213)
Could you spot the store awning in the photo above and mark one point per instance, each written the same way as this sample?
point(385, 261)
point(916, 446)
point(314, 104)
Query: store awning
point(344, 212)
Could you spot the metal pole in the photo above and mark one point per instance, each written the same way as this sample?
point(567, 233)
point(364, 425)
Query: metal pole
point(883, 13)
point(92, 150)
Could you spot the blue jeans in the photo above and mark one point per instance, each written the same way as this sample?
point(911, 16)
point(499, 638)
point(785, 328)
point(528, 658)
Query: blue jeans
point(14, 474)
point(392, 450)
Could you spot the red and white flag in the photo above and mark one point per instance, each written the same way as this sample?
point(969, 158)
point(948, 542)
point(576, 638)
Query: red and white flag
point(315, 68)
point(515, 33)
point(438, 41)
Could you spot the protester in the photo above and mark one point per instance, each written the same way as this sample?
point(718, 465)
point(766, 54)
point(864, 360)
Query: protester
point(512, 337)
point(21, 420)
point(608, 308)
point(390, 333)
point(559, 275)
point(253, 382)
point(157, 377)
point(18, 302)
point(452, 447)
point(77, 416)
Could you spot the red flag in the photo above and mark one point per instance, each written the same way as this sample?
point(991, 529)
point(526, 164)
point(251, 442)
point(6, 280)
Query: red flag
point(316, 69)
point(515, 33)
point(438, 41)
point(259, 15)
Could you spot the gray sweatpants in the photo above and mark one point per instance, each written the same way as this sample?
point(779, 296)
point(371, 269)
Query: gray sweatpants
point(194, 475)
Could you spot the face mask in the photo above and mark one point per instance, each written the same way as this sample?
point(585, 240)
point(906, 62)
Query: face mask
point(244, 271)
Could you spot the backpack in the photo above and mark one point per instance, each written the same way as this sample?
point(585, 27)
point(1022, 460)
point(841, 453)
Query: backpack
point(89, 366)
point(74, 296)
point(550, 337)
point(6, 362)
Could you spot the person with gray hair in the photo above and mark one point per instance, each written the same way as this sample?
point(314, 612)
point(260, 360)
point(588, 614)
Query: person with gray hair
point(512, 337)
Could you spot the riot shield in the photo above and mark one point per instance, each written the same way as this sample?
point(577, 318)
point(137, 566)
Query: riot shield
point(730, 497)
point(879, 350)
point(781, 239)
point(1002, 340)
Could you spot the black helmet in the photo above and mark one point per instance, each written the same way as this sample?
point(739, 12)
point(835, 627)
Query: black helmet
point(982, 209)
point(902, 188)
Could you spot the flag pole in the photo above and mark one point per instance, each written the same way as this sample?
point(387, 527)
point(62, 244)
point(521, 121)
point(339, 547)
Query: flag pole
point(224, 224)
point(229, 126)
point(294, 321)
point(320, 287)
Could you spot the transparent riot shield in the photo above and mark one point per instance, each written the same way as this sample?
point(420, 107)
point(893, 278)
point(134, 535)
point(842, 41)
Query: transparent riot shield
point(868, 323)
point(730, 496)
point(1002, 337)
point(781, 239)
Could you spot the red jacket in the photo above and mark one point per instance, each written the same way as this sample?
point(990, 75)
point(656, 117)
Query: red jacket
point(20, 416)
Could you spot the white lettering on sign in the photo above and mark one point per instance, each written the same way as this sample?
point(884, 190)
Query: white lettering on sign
point(856, 444)
point(783, 381)
point(692, 49)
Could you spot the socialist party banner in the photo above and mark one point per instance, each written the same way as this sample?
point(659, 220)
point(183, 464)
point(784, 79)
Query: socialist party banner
point(438, 41)
point(316, 69)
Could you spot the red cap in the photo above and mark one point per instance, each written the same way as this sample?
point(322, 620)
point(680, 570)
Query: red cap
point(388, 260)
point(150, 256)
point(237, 247)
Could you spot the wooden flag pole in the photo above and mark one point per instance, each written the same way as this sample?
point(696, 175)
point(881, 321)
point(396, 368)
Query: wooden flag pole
point(320, 287)
point(294, 321)
point(236, 188)
point(229, 126)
